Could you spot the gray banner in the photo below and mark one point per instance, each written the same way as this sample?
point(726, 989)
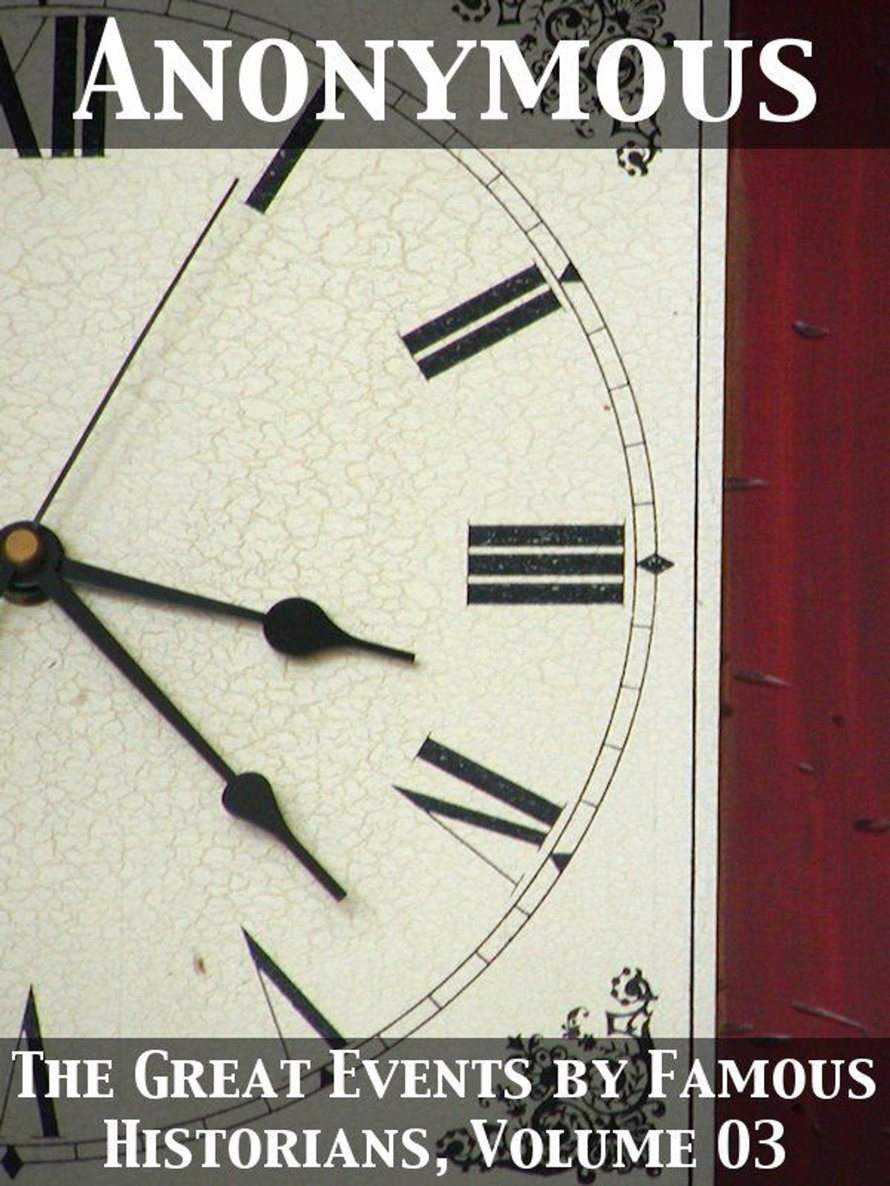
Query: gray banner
point(500, 73)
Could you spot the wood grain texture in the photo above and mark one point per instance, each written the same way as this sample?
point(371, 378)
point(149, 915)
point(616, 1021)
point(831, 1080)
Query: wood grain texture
point(804, 896)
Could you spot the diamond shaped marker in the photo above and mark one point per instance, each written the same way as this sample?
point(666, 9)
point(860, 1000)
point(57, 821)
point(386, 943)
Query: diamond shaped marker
point(11, 1162)
point(656, 564)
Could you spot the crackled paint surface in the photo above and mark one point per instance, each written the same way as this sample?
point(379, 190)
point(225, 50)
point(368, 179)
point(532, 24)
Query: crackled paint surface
point(275, 437)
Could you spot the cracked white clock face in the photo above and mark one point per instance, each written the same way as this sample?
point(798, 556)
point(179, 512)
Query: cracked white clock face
point(383, 383)
point(380, 393)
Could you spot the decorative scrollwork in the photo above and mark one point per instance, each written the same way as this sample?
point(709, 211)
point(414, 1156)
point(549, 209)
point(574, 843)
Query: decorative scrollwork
point(542, 24)
point(627, 1040)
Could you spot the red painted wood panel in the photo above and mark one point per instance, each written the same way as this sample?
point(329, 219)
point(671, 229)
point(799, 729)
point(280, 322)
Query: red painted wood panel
point(804, 910)
point(804, 905)
point(804, 896)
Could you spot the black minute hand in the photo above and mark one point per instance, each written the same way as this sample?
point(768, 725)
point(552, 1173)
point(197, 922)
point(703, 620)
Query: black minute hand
point(293, 627)
point(247, 796)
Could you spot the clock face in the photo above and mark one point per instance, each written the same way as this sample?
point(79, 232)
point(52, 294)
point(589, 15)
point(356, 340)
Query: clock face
point(382, 385)
point(258, 404)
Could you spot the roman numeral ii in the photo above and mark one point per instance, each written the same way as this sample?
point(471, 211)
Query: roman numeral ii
point(481, 322)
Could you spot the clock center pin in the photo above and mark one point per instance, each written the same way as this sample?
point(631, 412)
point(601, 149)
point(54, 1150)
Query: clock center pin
point(23, 548)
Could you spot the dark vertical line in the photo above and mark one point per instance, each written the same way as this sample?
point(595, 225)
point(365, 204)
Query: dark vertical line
point(693, 872)
point(34, 1040)
point(16, 115)
point(94, 129)
point(64, 86)
point(265, 965)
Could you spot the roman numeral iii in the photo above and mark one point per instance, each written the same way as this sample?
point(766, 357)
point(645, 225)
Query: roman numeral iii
point(580, 565)
point(73, 36)
point(472, 327)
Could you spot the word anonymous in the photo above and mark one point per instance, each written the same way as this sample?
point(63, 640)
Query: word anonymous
point(113, 73)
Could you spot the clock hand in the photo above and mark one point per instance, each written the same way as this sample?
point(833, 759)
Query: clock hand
point(21, 550)
point(250, 797)
point(247, 796)
point(57, 590)
point(134, 350)
point(294, 627)
point(101, 578)
point(300, 627)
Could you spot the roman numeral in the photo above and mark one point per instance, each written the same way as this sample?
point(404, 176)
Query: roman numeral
point(31, 1036)
point(69, 32)
point(283, 163)
point(14, 108)
point(65, 87)
point(487, 319)
point(267, 969)
point(582, 565)
point(534, 806)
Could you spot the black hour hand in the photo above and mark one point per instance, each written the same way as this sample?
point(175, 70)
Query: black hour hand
point(294, 627)
point(300, 627)
point(248, 796)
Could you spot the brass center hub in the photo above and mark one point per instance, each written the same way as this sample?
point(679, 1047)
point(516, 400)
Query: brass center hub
point(23, 548)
